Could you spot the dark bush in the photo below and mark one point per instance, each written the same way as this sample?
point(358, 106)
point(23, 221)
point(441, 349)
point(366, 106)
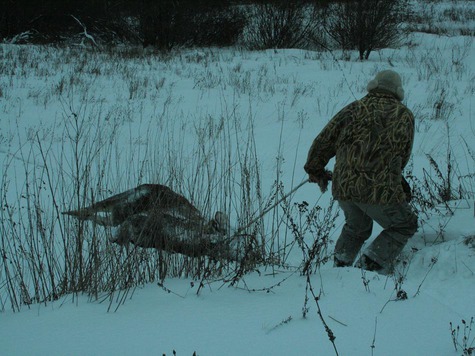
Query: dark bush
point(55, 20)
point(218, 28)
point(367, 25)
point(282, 24)
point(170, 23)
point(164, 24)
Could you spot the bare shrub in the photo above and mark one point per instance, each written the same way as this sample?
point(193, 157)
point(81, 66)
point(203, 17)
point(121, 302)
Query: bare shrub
point(169, 23)
point(449, 18)
point(303, 220)
point(462, 337)
point(282, 24)
point(367, 25)
point(80, 159)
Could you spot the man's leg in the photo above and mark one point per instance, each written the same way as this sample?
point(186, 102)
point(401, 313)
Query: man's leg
point(399, 223)
point(355, 232)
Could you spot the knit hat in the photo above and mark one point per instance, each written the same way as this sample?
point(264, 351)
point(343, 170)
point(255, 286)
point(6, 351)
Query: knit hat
point(388, 80)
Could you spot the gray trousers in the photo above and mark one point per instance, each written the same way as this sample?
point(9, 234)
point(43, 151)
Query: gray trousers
point(398, 221)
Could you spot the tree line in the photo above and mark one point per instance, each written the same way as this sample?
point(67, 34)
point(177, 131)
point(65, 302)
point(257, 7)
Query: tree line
point(365, 25)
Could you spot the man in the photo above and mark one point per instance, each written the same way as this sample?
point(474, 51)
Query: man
point(372, 140)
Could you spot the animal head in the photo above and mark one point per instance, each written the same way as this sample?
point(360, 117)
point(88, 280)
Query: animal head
point(218, 225)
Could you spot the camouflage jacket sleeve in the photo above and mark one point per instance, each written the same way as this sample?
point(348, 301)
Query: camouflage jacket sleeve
point(324, 145)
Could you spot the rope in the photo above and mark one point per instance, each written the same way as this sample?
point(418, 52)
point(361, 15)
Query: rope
point(242, 228)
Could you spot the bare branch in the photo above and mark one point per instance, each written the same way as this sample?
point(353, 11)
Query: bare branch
point(87, 35)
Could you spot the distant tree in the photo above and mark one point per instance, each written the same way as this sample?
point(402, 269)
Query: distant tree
point(169, 23)
point(55, 20)
point(14, 15)
point(367, 25)
point(217, 25)
point(282, 23)
point(157, 19)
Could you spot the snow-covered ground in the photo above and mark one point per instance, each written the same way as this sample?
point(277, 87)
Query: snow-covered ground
point(233, 321)
point(201, 116)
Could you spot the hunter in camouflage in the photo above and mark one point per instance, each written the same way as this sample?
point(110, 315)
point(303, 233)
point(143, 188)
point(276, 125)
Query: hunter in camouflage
point(371, 140)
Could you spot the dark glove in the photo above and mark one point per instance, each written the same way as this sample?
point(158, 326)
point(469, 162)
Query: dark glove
point(321, 178)
point(406, 189)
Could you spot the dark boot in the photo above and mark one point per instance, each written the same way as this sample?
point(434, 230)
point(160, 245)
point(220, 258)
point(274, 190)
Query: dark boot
point(339, 263)
point(368, 264)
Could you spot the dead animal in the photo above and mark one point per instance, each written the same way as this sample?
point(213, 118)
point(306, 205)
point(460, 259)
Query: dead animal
point(154, 216)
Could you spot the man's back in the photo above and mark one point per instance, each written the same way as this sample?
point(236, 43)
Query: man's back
point(373, 146)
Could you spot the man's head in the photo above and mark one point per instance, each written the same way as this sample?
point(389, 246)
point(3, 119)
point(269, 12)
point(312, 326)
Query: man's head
point(389, 81)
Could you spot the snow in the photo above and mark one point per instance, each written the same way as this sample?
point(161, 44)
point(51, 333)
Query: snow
point(232, 321)
point(156, 117)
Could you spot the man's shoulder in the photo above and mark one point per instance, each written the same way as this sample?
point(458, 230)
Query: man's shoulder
point(387, 98)
point(354, 105)
point(406, 110)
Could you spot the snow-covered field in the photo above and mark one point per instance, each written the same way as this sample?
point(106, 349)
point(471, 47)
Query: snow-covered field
point(223, 127)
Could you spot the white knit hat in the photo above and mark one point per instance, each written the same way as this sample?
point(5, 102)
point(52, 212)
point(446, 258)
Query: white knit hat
point(388, 80)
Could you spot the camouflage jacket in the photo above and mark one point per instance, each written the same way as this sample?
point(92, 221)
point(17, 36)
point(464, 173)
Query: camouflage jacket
point(372, 140)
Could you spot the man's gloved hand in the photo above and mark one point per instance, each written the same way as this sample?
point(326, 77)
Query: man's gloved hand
point(321, 178)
